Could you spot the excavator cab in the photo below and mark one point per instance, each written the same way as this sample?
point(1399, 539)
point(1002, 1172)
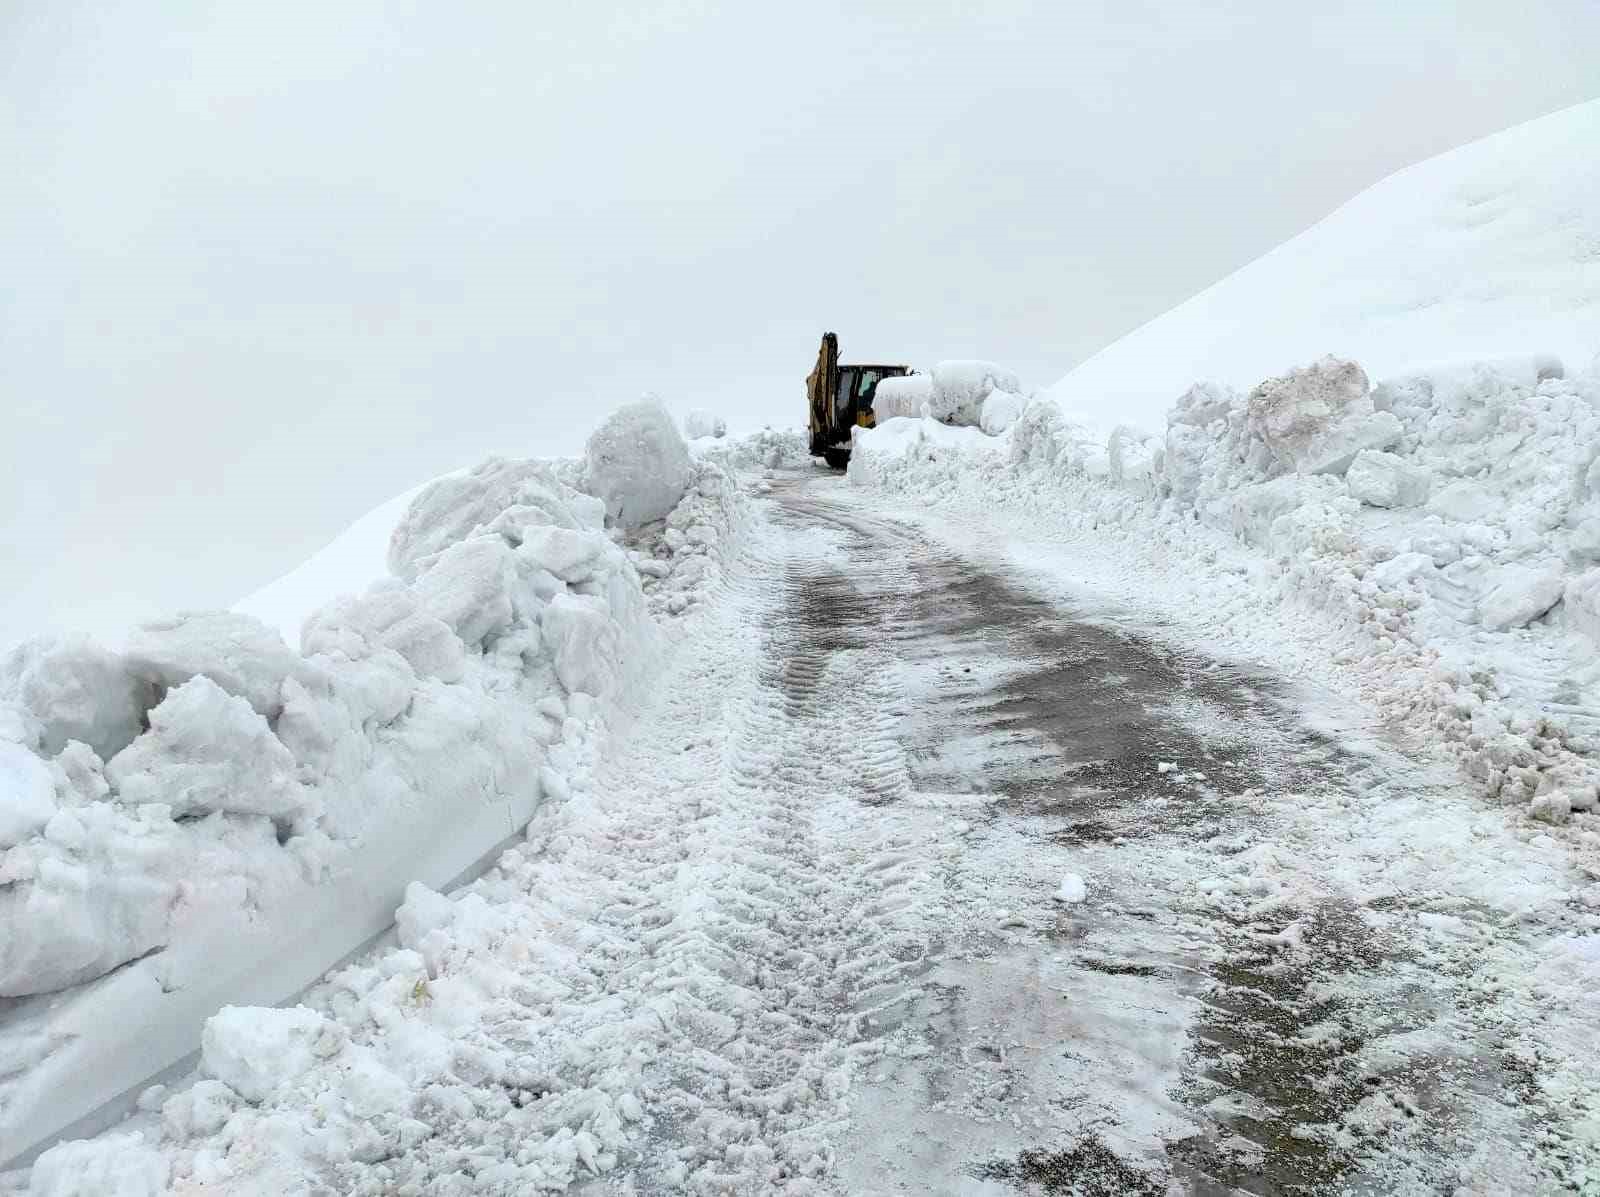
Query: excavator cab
point(840, 398)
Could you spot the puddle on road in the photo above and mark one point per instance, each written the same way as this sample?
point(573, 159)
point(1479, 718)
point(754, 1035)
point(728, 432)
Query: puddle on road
point(1082, 737)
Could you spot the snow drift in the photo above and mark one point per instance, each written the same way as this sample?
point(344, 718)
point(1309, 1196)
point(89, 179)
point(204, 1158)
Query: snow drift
point(211, 817)
point(1484, 251)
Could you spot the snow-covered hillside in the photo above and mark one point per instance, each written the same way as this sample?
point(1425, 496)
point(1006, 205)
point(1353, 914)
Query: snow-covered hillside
point(1489, 250)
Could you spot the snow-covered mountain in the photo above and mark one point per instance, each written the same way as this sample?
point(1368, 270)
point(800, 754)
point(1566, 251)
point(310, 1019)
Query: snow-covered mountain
point(1488, 250)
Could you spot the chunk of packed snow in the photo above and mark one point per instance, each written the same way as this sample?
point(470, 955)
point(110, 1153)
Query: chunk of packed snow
point(904, 396)
point(500, 495)
point(960, 387)
point(1581, 602)
point(1385, 480)
point(582, 641)
point(387, 618)
point(1317, 418)
point(1518, 594)
point(468, 587)
point(115, 1165)
point(637, 463)
point(27, 794)
point(206, 751)
point(253, 1050)
point(701, 423)
point(237, 652)
point(1000, 411)
point(75, 690)
point(1072, 890)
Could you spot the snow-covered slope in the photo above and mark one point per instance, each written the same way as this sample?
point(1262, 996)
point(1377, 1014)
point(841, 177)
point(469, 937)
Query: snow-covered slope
point(1490, 249)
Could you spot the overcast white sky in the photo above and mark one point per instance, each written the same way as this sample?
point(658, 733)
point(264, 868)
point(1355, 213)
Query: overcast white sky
point(268, 264)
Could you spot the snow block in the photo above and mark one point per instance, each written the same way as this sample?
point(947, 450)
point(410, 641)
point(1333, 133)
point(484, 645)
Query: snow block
point(638, 464)
point(1386, 480)
point(1316, 419)
point(27, 794)
point(387, 618)
point(1134, 458)
point(206, 751)
point(1203, 404)
point(582, 640)
point(1518, 595)
point(238, 652)
point(1000, 411)
point(468, 587)
point(701, 423)
point(901, 397)
point(960, 387)
point(498, 495)
point(254, 1050)
point(114, 1165)
point(1581, 602)
point(75, 690)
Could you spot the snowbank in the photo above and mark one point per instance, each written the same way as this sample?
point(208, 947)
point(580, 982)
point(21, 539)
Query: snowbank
point(213, 818)
point(1446, 522)
point(1484, 251)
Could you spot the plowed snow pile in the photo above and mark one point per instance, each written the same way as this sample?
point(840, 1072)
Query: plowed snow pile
point(209, 816)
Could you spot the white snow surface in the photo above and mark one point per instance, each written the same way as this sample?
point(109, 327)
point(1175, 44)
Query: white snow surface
point(213, 818)
point(1459, 565)
point(1484, 251)
point(637, 463)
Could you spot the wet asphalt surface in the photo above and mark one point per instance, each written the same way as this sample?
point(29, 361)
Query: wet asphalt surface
point(1086, 736)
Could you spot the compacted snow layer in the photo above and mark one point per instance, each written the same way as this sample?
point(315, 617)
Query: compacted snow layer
point(1486, 250)
point(211, 816)
point(1440, 531)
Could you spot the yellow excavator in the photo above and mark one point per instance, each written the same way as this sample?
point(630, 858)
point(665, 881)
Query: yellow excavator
point(840, 398)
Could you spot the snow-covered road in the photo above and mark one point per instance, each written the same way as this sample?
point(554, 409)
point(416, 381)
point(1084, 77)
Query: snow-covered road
point(926, 869)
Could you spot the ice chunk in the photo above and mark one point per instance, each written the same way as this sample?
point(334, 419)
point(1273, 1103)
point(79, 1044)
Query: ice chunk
point(452, 508)
point(207, 750)
point(468, 586)
point(27, 794)
point(76, 690)
point(638, 464)
point(898, 397)
point(1386, 480)
point(1000, 411)
point(699, 423)
point(238, 652)
point(1316, 419)
point(1519, 594)
point(254, 1050)
point(582, 639)
point(113, 1165)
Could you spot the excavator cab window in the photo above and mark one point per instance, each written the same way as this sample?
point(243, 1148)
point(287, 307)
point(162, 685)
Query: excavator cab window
point(846, 395)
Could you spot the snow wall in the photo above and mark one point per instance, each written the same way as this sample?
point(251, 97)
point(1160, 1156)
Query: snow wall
point(211, 818)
